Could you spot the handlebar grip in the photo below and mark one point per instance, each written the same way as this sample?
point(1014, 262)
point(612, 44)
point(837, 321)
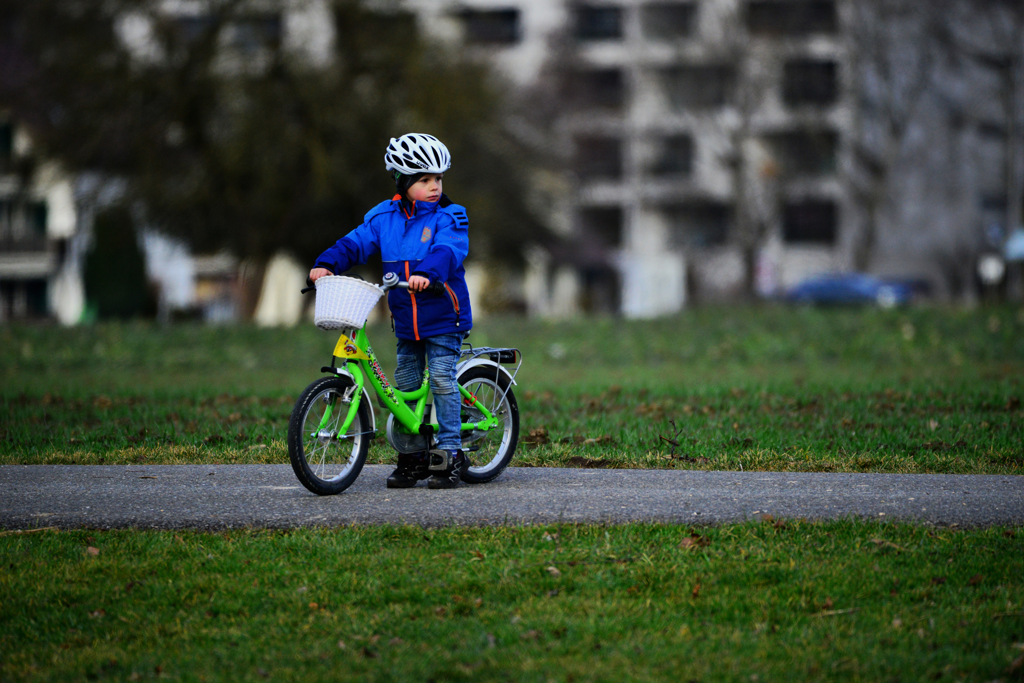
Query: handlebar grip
point(435, 287)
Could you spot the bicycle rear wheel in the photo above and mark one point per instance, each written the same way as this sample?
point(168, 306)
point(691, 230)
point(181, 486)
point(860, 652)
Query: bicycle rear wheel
point(489, 451)
point(325, 461)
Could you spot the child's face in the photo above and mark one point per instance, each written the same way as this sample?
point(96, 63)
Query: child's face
point(427, 188)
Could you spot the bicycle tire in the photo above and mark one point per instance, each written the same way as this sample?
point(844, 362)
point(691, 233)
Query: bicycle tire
point(489, 452)
point(324, 463)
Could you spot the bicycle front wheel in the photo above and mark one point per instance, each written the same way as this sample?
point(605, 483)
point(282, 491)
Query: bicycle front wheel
point(326, 461)
point(489, 451)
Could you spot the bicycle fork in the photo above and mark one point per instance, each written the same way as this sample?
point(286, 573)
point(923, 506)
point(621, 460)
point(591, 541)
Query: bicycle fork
point(352, 396)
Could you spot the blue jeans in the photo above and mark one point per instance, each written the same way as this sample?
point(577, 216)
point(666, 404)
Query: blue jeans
point(440, 353)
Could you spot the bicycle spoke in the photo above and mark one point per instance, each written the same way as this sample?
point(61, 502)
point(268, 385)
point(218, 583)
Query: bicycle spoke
point(489, 444)
point(318, 448)
point(494, 402)
point(318, 452)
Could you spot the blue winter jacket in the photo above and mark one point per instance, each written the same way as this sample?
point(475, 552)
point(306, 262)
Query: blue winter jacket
point(432, 240)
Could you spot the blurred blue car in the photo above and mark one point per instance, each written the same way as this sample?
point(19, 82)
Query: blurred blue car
point(852, 289)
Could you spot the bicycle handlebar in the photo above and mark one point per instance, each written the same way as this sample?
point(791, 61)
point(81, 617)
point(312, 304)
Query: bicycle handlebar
point(390, 282)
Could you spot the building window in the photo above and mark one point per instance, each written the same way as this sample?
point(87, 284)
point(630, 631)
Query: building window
point(602, 225)
point(674, 156)
point(791, 17)
point(189, 29)
point(809, 82)
point(668, 21)
point(992, 209)
point(805, 152)
point(993, 203)
point(699, 87)
point(699, 224)
point(811, 221)
point(598, 157)
point(992, 130)
point(253, 33)
point(598, 23)
point(491, 27)
point(6, 221)
point(6, 146)
point(597, 89)
point(602, 290)
point(23, 224)
point(243, 36)
point(37, 215)
point(21, 299)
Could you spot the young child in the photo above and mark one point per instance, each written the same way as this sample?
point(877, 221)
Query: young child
point(422, 237)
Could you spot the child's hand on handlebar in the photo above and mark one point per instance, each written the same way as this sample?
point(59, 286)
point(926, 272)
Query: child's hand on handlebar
point(318, 273)
point(418, 283)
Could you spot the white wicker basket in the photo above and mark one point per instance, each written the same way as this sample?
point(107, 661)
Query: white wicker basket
point(344, 302)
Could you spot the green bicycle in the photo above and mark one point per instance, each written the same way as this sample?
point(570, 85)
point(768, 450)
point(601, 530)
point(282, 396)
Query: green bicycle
point(333, 420)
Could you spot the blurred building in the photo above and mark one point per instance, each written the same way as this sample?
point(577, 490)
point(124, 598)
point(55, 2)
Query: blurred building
point(727, 147)
point(706, 140)
point(46, 215)
point(703, 141)
point(712, 149)
point(39, 276)
point(46, 218)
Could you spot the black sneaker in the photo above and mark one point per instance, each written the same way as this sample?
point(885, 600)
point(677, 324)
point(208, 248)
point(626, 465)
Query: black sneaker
point(412, 467)
point(452, 462)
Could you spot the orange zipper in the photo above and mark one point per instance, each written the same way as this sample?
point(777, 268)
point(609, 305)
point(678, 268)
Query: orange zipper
point(451, 295)
point(455, 302)
point(415, 319)
point(398, 198)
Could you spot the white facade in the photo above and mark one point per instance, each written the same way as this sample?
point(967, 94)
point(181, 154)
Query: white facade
point(37, 223)
point(45, 223)
point(709, 148)
point(679, 122)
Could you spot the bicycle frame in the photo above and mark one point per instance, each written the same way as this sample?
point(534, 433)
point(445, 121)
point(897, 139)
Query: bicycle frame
point(357, 358)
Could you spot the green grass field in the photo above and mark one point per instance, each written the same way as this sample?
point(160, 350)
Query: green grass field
point(767, 601)
point(769, 388)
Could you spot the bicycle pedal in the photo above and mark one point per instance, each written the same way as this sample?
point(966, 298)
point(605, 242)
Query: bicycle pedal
point(439, 461)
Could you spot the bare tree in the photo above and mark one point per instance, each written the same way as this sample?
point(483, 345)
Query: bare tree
point(246, 147)
point(1011, 19)
point(895, 45)
point(756, 176)
point(990, 35)
point(1004, 22)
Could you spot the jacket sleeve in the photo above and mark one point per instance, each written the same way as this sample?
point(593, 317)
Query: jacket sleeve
point(353, 249)
point(449, 249)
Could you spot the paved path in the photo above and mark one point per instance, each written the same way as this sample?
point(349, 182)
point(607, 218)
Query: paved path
point(221, 496)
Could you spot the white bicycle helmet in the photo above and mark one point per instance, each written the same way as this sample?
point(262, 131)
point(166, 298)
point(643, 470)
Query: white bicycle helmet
point(417, 153)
